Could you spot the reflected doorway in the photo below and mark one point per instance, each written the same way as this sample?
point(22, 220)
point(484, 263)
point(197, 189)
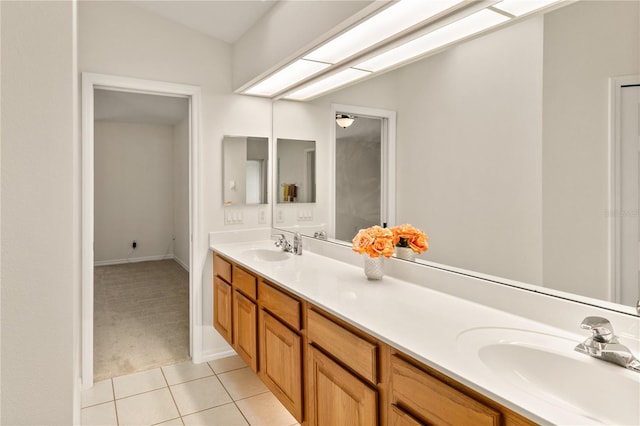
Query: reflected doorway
point(358, 191)
point(363, 176)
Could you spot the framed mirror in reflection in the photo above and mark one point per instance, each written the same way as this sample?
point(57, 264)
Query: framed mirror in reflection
point(296, 171)
point(504, 147)
point(245, 169)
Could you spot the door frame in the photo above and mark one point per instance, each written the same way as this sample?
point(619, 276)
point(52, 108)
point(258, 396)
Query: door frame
point(90, 82)
point(615, 140)
point(388, 163)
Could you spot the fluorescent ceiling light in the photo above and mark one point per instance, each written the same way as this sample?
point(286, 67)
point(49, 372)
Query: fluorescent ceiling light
point(457, 30)
point(385, 24)
point(520, 7)
point(286, 77)
point(326, 84)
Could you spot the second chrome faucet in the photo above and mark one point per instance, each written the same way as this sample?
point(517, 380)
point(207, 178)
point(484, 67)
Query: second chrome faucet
point(603, 344)
point(295, 248)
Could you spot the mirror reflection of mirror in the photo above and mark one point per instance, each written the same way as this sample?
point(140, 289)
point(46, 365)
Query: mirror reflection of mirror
point(296, 171)
point(245, 168)
point(503, 148)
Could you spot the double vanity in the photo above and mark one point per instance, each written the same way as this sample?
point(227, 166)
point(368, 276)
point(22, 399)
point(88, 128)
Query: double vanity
point(406, 350)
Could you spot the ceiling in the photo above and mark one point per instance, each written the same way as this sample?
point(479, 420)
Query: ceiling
point(225, 20)
point(110, 105)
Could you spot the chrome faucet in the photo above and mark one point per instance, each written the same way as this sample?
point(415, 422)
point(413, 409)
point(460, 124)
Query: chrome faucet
point(295, 248)
point(603, 344)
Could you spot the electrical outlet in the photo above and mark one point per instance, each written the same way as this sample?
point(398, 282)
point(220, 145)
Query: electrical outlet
point(134, 244)
point(262, 217)
point(280, 216)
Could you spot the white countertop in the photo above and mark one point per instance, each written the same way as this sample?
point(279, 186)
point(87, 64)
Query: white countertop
point(423, 323)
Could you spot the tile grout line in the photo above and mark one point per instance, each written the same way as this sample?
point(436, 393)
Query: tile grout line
point(172, 397)
point(234, 401)
point(115, 406)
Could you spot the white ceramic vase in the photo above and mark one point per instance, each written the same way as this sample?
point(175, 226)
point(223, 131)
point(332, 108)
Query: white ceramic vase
point(405, 253)
point(373, 267)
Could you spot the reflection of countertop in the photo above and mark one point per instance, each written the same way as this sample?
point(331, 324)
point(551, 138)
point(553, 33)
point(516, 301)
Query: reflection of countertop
point(417, 320)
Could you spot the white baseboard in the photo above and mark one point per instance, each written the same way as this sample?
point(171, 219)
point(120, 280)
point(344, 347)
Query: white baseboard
point(212, 356)
point(181, 263)
point(134, 260)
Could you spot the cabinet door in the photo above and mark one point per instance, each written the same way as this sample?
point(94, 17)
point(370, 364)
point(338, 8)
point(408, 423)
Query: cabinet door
point(337, 397)
point(281, 362)
point(245, 323)
point(222, 308)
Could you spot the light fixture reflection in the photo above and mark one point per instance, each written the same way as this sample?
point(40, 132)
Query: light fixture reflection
point(324, 85)
point(344, 120)
point(457, 30)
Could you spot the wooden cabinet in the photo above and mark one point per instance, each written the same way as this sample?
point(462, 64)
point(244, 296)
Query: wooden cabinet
point(235, 313)
point(326, 371)
point(245, 323)
point(338, 397)
point(433, 401)
point(281, 362)
point(222, 318)
point(222, 295)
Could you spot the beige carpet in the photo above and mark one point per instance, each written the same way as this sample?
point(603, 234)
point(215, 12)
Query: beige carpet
point(141, 317)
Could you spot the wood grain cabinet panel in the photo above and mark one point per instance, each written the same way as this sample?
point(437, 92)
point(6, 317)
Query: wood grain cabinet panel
point(401, 418)
point(349, 348)
point(435, 402)
point(245, 282)
point(245, 329)
point(281, 362)
point(280, 304)
point(222, 268)
point(222, 318)
point(337, 397)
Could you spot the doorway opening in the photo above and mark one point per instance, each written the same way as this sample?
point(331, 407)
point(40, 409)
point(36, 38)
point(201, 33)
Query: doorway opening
point(130, 167)
point(141, 232)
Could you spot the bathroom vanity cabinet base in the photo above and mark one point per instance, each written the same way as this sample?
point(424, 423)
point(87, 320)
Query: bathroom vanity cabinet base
point(326, 371)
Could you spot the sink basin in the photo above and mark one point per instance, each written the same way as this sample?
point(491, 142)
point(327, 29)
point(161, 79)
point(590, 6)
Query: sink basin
point(546, 367)
point(267, 255)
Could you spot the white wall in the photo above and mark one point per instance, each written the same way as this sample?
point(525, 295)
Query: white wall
point(40, 239)
point(122, 39)
point(133, 191)
point(604, 42)
point(181, 192)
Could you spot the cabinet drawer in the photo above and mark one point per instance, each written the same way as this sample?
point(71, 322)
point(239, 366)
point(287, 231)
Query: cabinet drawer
point(358, 354)
point(400, 418)
point(434, 401)
point(221, 268)
point(245, 282)
point(280, 304)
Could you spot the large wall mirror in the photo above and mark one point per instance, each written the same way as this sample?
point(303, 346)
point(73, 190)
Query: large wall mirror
point(502, 151)
point(245, 168)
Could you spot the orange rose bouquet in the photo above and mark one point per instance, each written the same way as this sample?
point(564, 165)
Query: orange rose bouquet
point(408, 236)
point(375, 242)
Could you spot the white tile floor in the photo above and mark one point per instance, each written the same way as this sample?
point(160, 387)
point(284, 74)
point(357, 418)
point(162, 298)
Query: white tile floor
point(224, 392)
